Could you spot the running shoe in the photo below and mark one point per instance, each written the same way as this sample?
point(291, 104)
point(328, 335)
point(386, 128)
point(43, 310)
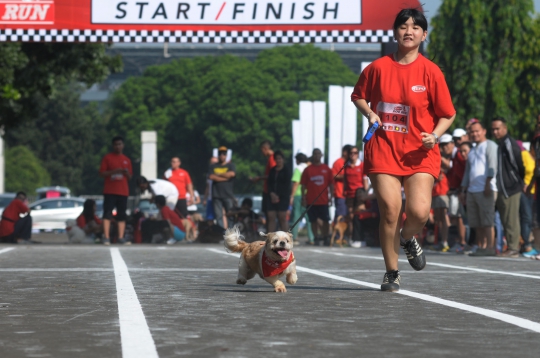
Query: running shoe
point(124, 242)
point(171, 241)
point(415, 255)
point(445, 248)
point(391, 281)
point(531, 253)
point(484, 252)
point(106, 242)
point(455, 248)
point(510, 253)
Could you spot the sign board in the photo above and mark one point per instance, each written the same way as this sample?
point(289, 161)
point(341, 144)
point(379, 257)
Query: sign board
point(200, 21)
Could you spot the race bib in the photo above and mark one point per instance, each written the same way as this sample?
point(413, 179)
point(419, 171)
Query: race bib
point(394, 117)
point(117, 177)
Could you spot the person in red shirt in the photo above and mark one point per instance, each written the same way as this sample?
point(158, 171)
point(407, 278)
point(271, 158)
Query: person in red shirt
point(407, 96)
point(88, 220)
point(440, 205)
point(181, 179)
point(116, 169)
point(266, 150)
point(13, 228)
point(339, 197)
point(354, 189)
point(317, 178)
point(177, 226)
point(454, 164)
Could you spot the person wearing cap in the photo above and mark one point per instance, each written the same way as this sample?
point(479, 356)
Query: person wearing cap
point(453, 162)
point(182, 181)
point(460, 136)
point(480, 185)
point(222, 175)
point(510, 185)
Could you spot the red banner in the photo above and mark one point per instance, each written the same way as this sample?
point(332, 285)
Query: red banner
point(200, 20)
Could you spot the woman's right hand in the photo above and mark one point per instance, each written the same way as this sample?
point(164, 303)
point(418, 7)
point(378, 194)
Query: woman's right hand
point(373, 117)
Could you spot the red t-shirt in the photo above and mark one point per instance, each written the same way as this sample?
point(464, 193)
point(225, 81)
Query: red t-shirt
point(354, 179)
point(81, 221)
point(316, 178)
point(409, 100)
point(338, 183)
point(10, 216)
point(269, 165)
point(456, 173)
point(441, 186)
point(116, 184)
point(180, 178)
point(168, 214)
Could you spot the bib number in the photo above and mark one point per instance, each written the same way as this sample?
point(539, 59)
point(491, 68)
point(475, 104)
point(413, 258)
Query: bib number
point(394, 117)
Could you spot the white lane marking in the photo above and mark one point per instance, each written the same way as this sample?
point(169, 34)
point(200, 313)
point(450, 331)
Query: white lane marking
point(82, 269)
point(516, 321)
point(438, 264)
point(137, 341)
point(6, 250)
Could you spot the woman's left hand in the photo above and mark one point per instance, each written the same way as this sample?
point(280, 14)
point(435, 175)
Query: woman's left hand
point(428, 140)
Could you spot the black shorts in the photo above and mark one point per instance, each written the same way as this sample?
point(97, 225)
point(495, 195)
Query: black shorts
point(282, 205)
point(181, 206)
point(111, 201)
point(265, 202)
point(318, 212)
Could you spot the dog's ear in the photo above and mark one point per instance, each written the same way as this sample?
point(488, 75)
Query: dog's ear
point(262, 234)
point(290, 235)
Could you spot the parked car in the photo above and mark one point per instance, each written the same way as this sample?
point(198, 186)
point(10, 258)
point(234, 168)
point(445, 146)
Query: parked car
point(51, 214)
point(53, 192)
point(5, 199)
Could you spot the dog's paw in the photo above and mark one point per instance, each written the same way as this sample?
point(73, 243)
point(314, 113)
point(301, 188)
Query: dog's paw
point(291, 279)
point(280, 289)
point(241, 281)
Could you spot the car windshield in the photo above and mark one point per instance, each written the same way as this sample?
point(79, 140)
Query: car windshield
point(5, 202)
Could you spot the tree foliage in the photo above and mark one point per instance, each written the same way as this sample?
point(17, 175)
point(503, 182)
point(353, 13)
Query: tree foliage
point(30, 72)
point(24, 171)
point(66, 138)
point(201, 103)
point(489, 53)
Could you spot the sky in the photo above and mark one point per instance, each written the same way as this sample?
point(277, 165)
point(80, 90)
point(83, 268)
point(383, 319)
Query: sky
point(431, 7)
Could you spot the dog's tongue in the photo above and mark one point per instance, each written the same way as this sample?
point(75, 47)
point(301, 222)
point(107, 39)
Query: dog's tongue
point(283, 253)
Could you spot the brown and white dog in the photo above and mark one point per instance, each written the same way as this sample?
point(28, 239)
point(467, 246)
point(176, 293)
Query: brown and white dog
point(270, 259)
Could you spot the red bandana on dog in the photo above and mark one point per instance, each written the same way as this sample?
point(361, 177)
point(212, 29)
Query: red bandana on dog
point(273, 268)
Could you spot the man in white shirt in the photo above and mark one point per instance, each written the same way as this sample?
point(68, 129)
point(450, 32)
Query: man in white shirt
point(157, 187)
point(480, 184)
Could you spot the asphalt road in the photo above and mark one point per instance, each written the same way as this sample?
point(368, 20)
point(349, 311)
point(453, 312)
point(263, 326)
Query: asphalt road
point(162, 301)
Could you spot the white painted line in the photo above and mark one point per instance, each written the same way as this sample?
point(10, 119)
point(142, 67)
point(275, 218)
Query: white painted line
point(82, 269)
point(516, 321)
point(137, 341)
point(6, 250)
point(429, 263)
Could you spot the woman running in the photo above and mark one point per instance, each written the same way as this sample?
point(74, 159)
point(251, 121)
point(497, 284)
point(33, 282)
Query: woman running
point(407, 95)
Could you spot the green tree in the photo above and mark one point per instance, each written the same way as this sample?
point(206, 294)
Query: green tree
point(24, 171)
point(30, 72)
point(201, 103)
point(489, 53)
point(67, 139)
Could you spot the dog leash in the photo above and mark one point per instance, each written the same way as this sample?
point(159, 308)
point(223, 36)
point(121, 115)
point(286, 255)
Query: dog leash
point(309, 207)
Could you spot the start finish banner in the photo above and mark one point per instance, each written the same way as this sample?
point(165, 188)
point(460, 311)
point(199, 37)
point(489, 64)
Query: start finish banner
point(203, 21)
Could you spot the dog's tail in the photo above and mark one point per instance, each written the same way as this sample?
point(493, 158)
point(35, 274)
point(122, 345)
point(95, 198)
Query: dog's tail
point(234, 241)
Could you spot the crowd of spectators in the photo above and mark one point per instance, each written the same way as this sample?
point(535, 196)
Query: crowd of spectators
point(483, 199)
point(484, 183)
